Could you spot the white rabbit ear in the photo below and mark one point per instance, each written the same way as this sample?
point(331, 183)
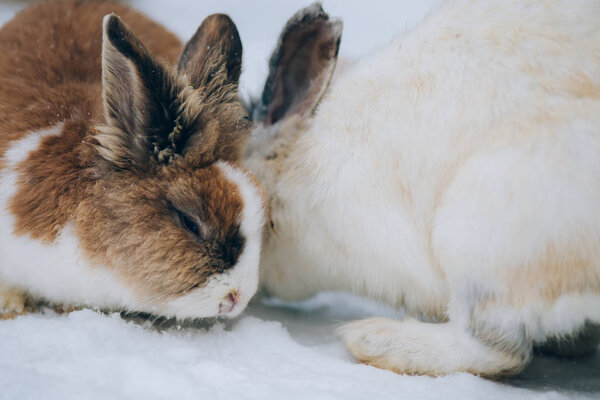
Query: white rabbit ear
point(139, 98)
point(301, 66)
point(213, 56)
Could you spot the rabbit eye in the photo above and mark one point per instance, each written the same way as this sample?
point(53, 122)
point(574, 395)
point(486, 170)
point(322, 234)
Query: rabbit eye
point(188, 223)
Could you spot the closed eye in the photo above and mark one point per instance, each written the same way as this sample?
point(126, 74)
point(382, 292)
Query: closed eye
point(188, 224)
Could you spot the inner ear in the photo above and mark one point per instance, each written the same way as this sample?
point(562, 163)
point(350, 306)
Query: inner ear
point(301, 65)
point(213, 54)
point(139, 101)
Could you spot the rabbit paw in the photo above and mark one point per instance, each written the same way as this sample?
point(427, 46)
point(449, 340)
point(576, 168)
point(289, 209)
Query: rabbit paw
point(370, 341)
point(413, 347)
point(12, 302)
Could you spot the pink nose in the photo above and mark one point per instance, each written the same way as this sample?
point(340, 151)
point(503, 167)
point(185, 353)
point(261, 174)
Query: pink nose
point(228, 303)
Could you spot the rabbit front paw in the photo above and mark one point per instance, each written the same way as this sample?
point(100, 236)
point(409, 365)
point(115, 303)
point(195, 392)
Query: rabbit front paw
point(12, 302)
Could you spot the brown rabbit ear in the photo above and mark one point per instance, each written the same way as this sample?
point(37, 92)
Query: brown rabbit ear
point(301, 65)
point(211, 62)
point(140, 100)
point(213, 56)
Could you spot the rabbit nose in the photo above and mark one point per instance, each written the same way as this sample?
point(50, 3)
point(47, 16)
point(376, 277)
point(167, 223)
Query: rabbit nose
point(228, 303)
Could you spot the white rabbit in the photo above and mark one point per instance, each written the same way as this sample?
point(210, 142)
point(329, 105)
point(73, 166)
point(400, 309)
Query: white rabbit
point(120, 184)
point(455, 172)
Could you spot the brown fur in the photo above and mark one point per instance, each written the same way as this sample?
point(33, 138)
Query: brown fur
point(122, 184)
point(109, 222)
point(54, 180)
point(50, 66)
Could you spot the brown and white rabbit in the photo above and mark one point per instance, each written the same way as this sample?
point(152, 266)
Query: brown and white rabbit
point(120, 186)
point(455, 172)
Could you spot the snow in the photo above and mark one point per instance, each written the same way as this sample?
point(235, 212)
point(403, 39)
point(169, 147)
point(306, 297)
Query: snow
point(276, 350)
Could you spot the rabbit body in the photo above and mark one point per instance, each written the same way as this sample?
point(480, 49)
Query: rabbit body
point(90, 212)
point(456, 173)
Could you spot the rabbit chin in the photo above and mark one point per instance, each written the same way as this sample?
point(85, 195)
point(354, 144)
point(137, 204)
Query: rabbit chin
point(207, 301)
point(59, 273)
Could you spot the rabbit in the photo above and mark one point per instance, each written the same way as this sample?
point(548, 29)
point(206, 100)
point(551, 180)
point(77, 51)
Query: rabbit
point(121, 186)
point(454, 172)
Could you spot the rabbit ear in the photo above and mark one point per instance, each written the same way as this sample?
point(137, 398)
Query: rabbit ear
point(213, 56)
point(301, 65)
point(139, 99)
point(211, 63)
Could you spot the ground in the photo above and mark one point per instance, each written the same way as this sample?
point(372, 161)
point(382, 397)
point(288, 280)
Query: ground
point(275, 350)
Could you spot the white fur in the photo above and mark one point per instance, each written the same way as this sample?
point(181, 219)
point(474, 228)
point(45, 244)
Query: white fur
point(443, 166)
point(60, 273)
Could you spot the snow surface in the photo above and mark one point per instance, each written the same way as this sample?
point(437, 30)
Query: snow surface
point(276, 350)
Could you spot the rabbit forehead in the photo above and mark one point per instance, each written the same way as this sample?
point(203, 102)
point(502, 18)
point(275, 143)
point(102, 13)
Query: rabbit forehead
point(206, 193)
point(223, 191)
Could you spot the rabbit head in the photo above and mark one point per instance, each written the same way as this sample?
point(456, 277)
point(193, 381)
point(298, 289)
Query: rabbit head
point(171, 210)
